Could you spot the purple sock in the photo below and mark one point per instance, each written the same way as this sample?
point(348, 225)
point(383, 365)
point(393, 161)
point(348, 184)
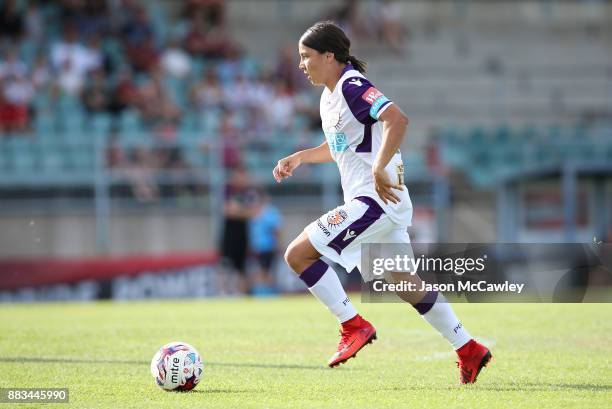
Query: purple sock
point(313, 274)
point(427, 302)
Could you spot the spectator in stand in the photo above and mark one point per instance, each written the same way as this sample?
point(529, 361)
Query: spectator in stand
point(19, 92)
point(213, 11)
point(11, 65)
point(73, 60)
point(125, 93)
point(136, 26)
point(16, 100)
point(141, 174)
point(203, 40)
point(144, 56)
point(235, 63)
point(287, 69)
point(11, 21)
point(138, 38)
point(258, 128)
point(175, 61)
point(207, 92)
point(195, 41)
point(136, 166)
point(96, 96)
point(90, 18)
point(231, 144)
point(69, 80)
point(41, 73)
point(95, 53)
point(280, 109)
point(35, 24)
point(115, 154)
point(238, 94)
point(6, 112)
point(155, 103)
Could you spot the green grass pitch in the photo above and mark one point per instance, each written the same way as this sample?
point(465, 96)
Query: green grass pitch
point(272, 353)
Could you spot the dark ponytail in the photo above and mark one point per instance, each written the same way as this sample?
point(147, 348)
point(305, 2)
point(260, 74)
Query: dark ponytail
point(326, 36)
point(357, 63)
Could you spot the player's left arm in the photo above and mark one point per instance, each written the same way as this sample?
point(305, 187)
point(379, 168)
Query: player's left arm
point(395, 123)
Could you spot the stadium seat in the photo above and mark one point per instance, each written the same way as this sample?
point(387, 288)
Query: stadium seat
point(198, 65)
point(20, 151)
point(99, 124)
point(210, 121)
point(41, 102)
point(177, 89)
point(130, 125)
point(502, 135)
point(27, 50)
point(44, 126)
point(194, 157)
point(189, 122)
point(51, 158)
point(478, 137)
point(84, 157)
point(73, 123)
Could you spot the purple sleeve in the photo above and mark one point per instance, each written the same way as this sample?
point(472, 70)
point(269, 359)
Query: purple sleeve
point(363, 99)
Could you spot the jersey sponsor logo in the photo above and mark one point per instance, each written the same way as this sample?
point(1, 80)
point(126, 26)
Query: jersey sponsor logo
point(350, 234)
point(336, 217)
point(336, 141)
point(355, 81)
point(323, 229)
point(371, 95)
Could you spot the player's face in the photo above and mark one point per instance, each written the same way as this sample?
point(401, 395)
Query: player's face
point(313, 63)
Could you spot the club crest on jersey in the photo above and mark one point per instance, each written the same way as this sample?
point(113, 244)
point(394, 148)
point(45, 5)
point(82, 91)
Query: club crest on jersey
point(333, 120)
point(371, 95)
point(336, 217)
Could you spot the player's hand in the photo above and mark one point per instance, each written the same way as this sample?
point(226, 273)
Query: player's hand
point(384, 187)
point(285, 167)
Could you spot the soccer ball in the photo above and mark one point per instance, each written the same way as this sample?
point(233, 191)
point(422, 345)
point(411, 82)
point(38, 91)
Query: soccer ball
point(177, 366)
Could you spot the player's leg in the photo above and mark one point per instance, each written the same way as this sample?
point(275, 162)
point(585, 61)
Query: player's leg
point(438, 312)
point(266, 262)
point(336, 235)
point(321, 280)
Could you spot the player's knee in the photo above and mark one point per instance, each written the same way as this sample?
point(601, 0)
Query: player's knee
point(292, 257)
point(297, 258)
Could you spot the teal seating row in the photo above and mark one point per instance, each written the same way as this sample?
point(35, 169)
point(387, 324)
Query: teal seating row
point(486, 155)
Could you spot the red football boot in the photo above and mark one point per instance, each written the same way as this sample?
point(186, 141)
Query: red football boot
point(355, 334)
point(472, 358)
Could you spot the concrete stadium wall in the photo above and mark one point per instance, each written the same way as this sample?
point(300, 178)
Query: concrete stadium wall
point(149, 232)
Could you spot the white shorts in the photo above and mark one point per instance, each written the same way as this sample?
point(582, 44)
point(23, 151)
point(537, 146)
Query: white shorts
point(338, 234)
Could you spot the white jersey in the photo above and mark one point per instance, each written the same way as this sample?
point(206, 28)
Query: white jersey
point(349, 116)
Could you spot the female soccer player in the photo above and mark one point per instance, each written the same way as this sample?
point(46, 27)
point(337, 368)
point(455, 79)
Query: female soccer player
point(363, 132)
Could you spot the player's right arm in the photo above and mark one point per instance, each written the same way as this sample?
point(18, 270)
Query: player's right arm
point(285, 167)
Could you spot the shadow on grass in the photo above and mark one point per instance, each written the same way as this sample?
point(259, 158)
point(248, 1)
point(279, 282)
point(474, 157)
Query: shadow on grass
point(547, 387)
point(210, 391)
point(514, 387)
point(135, 362)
